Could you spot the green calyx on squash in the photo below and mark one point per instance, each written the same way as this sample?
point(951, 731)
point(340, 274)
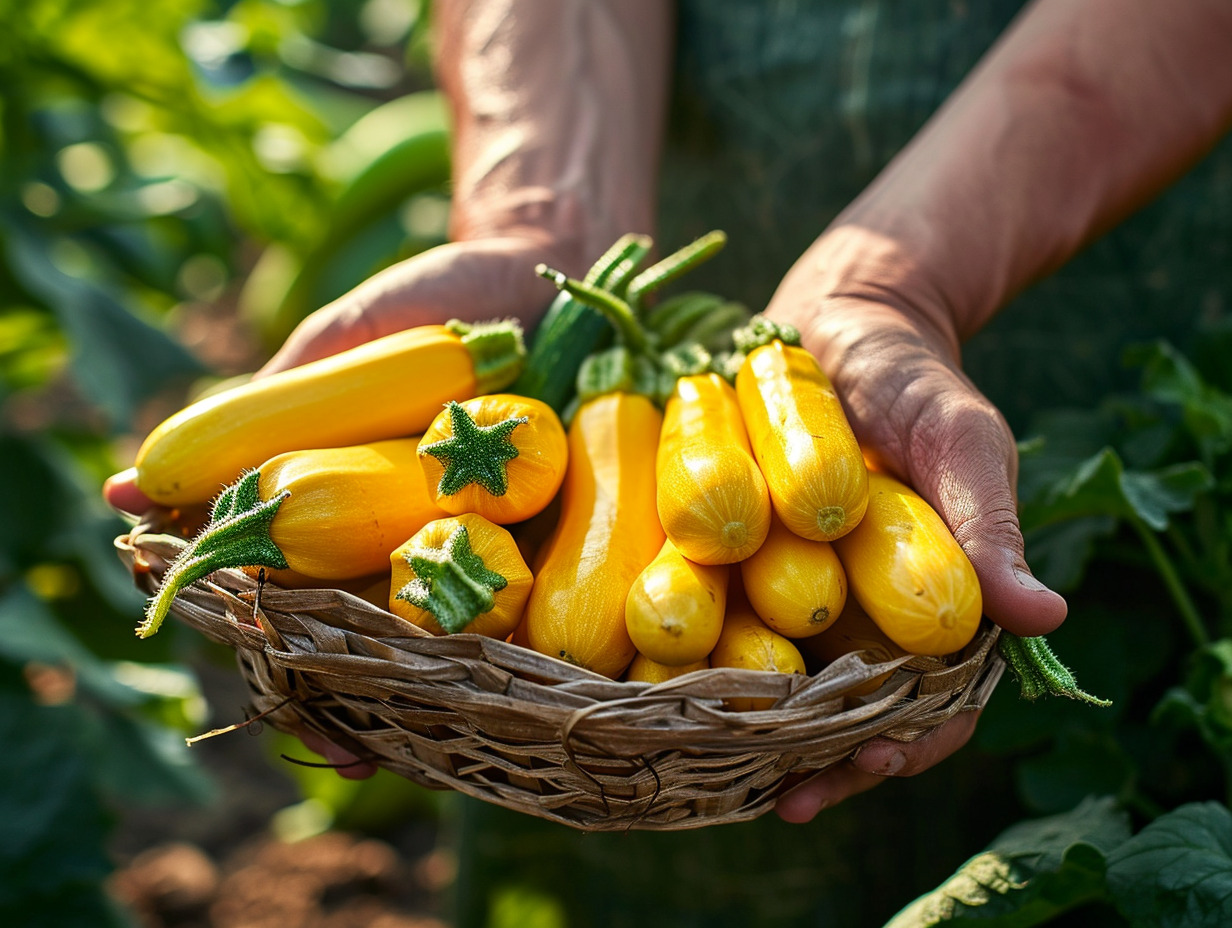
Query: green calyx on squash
point(474, 453)
point(238, 533)
point(451, 582)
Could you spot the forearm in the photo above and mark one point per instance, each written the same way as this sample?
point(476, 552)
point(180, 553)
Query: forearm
point(557, 110)
point(1082, 113)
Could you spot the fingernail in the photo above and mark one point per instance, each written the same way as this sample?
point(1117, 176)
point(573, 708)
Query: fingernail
point(1028, 582)
point(897, 761)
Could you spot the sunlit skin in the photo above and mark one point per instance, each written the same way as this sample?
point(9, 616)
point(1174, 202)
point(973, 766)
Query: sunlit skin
point(674, 612)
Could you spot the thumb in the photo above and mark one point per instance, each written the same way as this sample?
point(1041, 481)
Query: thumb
point(970, 481)
point(471, 281)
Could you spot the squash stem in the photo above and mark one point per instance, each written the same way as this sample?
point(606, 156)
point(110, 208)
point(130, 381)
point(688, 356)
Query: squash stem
point(238, 535)
point(1180, 596)
point(617, 311)
point(1038, 670)
point(451, 582)
point(675, 265)
point(497, 351)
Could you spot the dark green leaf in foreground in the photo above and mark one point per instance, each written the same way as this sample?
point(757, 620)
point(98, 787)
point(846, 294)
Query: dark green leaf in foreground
point(1176, 872)
point(1032, 872)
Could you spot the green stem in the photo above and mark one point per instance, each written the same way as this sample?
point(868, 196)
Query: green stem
point(497, 351)
point(616, 310)
point(1038, 670)
point(238, 535)
point(1180, 595)
point(675, 265)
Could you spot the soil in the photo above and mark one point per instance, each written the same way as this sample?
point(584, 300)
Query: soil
point(222, 866)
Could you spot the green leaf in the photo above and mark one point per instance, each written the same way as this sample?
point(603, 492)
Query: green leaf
point(1030, 873)
point(118, 359)
point(1204, 702)
point(1168, 376)
point(1101, 486)
point(1081, 763)
point(1176, 872)
point(52, 822)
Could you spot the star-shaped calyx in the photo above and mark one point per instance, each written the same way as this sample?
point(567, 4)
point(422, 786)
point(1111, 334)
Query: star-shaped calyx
point(474, 453)
point(451, 582)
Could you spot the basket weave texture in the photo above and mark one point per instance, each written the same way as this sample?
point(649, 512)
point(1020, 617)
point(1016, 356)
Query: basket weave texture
point(532, 733)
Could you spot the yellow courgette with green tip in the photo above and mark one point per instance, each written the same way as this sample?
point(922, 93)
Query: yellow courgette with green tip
point(391, 387)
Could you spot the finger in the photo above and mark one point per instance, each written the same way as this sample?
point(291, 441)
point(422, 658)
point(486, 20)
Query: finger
point(828, 788)
point(470, 281)
point(120, 493)
point(878, 760)
point(885, 757)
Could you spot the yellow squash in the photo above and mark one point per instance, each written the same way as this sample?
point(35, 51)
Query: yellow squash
point(802, 441)
point(608, 532)
point(326, 513)
point(712, 498)
point(462, 573)
point(796, 585)
point(909, 573)
point(500, 455)
point(855, 631)
point(747, 642)
point(390, 387)
point(644, 670)
point(674, 611)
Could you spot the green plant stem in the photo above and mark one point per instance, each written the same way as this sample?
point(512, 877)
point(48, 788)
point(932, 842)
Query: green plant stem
point(1180, 596)
point(617, 311)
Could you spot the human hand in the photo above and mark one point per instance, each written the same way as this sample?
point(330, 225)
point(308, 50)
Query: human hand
point(892, 353)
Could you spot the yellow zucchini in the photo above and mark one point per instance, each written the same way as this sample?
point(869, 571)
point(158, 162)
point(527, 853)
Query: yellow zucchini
point(909, 573)
point(500, 455)
point(328, 513)
point(607, 533)
point(644, 670)
point(674, 611)
point(711, 496)
point(462, 573)
point(855, 631)
point(747, 642)
point(391, 387)
point(797, 586)
point(802, 440)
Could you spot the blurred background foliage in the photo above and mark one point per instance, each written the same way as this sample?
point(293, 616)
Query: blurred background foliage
point(180, 182)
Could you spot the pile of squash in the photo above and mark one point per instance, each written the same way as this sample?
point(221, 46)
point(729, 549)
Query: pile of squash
point(646, 492)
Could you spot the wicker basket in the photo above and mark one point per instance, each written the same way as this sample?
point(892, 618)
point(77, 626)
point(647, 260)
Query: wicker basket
point(532, 733)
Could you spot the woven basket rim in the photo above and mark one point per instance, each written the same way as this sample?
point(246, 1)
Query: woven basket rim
point(533, 733)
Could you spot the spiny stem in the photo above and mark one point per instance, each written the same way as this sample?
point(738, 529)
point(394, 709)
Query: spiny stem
point(616, 310)
point(1038, 670)
point(238, 535)
point(1180, 596)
